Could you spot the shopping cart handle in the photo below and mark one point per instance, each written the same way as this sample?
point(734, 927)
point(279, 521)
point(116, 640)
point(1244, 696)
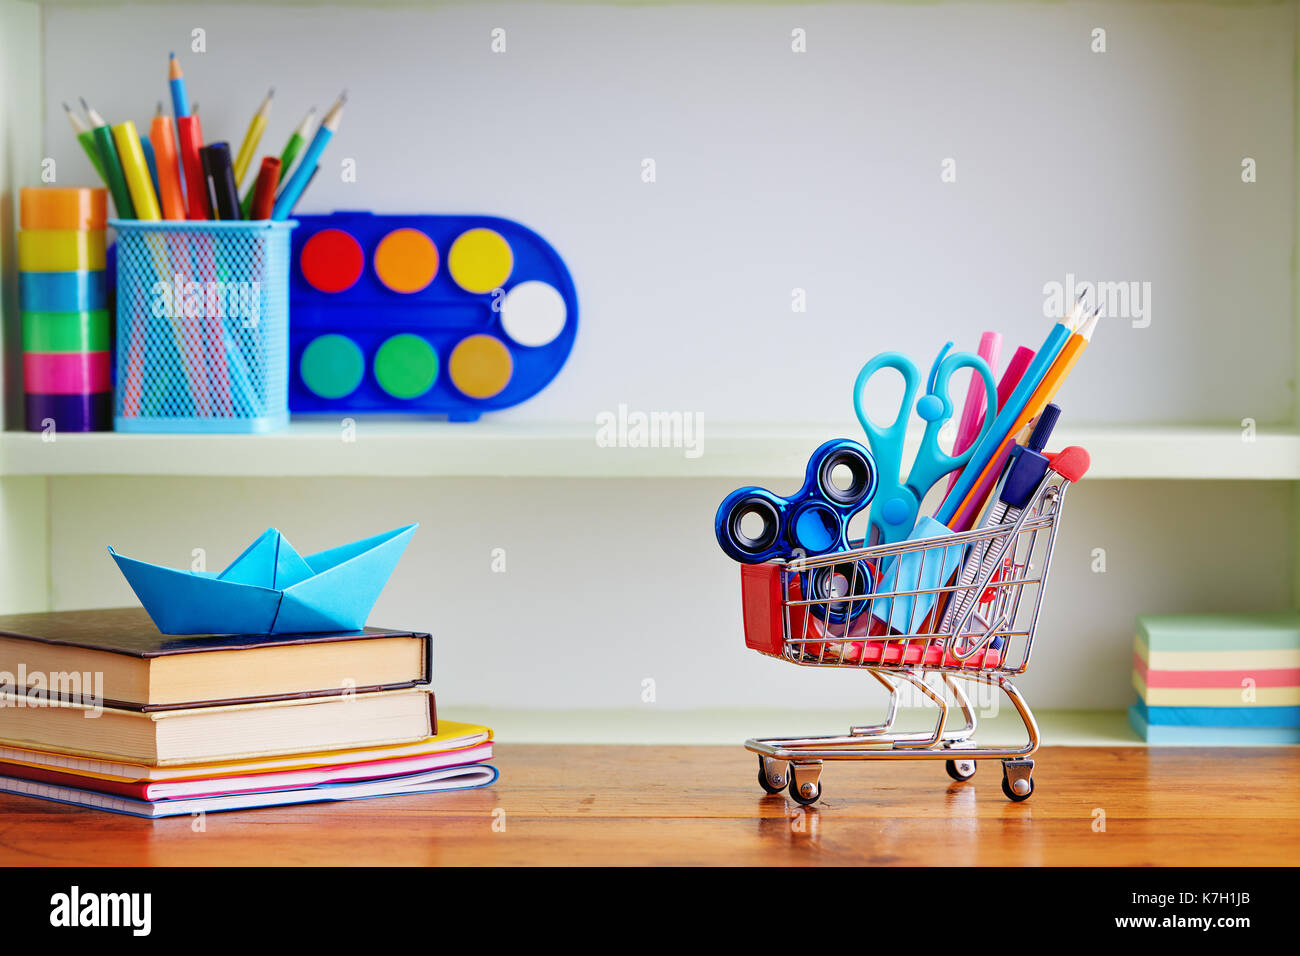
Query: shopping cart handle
point(1070, 463)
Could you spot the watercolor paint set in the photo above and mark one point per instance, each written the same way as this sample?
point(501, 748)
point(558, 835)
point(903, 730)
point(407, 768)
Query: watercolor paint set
point(433, 314)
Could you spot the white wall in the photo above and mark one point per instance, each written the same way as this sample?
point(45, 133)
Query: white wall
point(610, 582)
point(776, 170)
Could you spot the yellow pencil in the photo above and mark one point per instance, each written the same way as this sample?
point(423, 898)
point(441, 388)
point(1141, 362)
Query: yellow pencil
point(136, 171)
point(256, 127)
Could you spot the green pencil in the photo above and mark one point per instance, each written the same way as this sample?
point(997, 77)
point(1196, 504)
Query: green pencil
point(287, 156)
point(87, 141)
point(113, 175)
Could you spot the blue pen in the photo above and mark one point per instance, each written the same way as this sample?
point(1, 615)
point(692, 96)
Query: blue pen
point(293, 189)
point(993, 438)
point(176, 80)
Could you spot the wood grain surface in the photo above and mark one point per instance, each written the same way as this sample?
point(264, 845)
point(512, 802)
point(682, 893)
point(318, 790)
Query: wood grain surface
point(702, 805)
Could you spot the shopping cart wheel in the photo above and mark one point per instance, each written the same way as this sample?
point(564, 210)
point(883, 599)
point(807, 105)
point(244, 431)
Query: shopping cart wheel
point(960, 769)
point(771, 779)
point(805, 783)
point(1017, 783)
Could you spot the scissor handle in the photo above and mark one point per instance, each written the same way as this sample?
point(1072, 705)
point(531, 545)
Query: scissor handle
point(887, 443)
point(936, 408)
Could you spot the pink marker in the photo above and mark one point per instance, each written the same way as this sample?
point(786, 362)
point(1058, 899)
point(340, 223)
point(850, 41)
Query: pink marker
point(964, 521)
point(1014, 373)
point(972, 413)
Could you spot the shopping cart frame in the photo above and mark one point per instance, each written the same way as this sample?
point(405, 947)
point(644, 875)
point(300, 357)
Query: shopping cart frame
point(972, 647)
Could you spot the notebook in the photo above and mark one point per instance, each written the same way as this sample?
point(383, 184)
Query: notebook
point(451, 736)
point(254, 782)
point(192, 735)
point(431, 781)
point(61, 653)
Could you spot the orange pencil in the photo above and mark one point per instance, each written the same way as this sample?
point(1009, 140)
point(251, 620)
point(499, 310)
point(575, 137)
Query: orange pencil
point(169, 175)
point(1043, 394)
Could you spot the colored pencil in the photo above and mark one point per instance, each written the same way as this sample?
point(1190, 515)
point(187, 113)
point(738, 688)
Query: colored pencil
point(965, 514)
point(113, 176)
point(287, 155)
point(297, 184)
point(256, 127)
point(1002, 424)
point(169, 176)
point(87, 140)
point(136, 170)
point(176, 80)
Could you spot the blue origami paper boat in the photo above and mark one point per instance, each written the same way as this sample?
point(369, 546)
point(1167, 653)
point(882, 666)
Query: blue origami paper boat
point(270, 588)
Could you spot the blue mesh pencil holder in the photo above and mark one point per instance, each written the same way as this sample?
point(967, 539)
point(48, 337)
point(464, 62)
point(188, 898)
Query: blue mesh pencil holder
point(202, 326)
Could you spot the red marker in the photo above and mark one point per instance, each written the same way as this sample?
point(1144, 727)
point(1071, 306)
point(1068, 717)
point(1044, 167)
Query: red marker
point(190, 135)
point(268, 179)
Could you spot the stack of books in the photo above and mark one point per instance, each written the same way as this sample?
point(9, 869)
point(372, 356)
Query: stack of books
point(99, 709)
point(1231, 679)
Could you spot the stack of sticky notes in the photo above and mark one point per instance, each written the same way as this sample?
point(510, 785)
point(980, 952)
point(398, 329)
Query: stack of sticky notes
point(1231, 679)
point(99, 709)
point(66, 332)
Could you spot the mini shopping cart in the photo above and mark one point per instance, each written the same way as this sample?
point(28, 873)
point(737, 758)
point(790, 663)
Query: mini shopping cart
point(870, 608)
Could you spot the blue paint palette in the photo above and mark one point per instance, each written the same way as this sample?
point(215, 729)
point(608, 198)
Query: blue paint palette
point(436, 315)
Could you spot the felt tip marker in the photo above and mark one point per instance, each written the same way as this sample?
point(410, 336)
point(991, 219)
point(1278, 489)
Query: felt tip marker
point(219, 173)
point(135, 169)
point(287, 155)
point(171, 196)
point(268, 177)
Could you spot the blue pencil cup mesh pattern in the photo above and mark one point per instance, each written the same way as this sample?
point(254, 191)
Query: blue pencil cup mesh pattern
point(202, 326)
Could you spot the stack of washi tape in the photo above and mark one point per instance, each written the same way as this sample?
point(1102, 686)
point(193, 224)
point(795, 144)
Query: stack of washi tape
point(67, 367)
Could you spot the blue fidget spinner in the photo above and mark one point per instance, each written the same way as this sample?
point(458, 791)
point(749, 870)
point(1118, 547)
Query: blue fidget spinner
point(814, 520)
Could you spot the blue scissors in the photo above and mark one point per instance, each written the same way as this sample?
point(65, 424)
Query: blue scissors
point(897, 502)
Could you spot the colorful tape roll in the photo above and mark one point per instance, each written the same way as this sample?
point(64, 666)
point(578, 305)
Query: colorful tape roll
point(66, 327)
point(67, 373)
point(51, 208)
point(62, 332)
point(62, 291)
point(60, 250)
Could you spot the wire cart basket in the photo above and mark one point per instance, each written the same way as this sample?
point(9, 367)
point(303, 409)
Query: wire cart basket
point(962, 606)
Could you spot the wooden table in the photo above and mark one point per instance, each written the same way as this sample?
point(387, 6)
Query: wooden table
point(702, 805)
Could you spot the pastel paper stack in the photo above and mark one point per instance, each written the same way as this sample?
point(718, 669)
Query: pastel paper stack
point(1231, 679)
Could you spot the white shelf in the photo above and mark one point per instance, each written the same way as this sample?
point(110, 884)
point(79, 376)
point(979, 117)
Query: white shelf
point(740, 452)
point(661, 727)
